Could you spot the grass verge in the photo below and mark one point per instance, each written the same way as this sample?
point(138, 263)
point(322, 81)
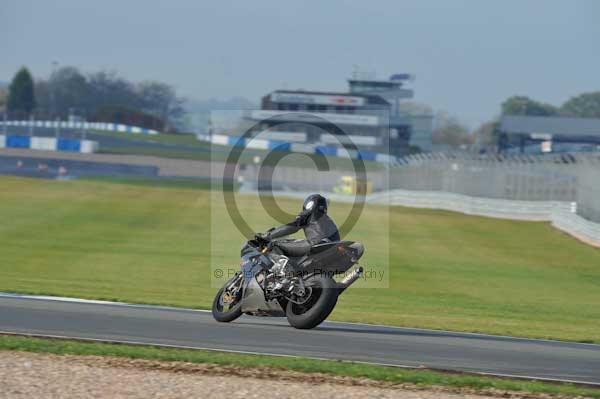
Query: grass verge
point(178, 183)
point(187, 146)
point(221, 154)
point(390, 375)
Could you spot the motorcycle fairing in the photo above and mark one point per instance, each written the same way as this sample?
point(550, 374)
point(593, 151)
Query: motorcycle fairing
point(253, 296)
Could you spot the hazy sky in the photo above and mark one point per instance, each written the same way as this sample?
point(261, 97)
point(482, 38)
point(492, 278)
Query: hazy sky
point(467, 55)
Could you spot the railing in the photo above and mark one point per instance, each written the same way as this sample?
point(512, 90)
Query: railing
point(555, 177)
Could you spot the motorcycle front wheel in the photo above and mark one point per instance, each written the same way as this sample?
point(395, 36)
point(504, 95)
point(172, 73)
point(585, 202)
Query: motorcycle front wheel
point(320, 302)
point(226, 305)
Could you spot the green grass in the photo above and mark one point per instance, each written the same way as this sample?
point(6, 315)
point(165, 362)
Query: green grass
point(191, 183)
point(163, 138)
point(152, 245)
point(221, 155)
point(336, 368)
point(201, 151)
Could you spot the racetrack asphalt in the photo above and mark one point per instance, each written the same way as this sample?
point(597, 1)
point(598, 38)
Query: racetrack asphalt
point(475, 353)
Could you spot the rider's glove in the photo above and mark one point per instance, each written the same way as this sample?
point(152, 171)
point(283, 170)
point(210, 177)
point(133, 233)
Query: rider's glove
point(262, 237)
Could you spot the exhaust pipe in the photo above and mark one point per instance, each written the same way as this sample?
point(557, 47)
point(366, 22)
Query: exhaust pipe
point(350, 279)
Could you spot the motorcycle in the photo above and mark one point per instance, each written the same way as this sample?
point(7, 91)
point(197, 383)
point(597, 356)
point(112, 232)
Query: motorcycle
point(299, 288)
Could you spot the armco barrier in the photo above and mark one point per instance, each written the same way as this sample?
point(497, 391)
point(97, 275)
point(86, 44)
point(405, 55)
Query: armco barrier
point(578, 227)
point(498, 208)
point(562, 215)
point(48, 143)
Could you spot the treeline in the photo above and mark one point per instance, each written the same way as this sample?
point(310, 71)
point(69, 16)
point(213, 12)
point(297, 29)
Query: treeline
point(100, 96)
point(586, 105)
point(450, 132)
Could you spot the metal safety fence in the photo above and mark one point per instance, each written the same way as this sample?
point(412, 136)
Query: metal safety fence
point(556, 177)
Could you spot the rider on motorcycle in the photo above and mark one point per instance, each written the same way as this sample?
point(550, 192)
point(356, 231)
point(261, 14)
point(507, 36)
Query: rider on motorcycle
point(318, 228)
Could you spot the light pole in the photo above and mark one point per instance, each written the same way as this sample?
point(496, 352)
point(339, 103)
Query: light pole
point(84, 124)
point(31, 123)
point(52, 94)
point(57, 127)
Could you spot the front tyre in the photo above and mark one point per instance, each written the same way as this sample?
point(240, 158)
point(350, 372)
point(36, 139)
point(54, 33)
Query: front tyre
point(227, 305)
point(322, 294)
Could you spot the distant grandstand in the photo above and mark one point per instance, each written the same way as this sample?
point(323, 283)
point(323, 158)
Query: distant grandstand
point(368, 114)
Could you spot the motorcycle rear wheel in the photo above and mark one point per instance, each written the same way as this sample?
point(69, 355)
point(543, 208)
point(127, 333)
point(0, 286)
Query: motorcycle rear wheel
point(322, 300)
point(234, 309)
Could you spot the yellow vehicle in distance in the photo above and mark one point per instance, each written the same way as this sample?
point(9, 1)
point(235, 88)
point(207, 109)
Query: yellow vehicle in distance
point(349, 185)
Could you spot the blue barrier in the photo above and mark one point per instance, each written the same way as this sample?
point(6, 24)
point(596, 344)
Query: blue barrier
point(69, 145)
point(48, 143)
point(18, 141)
point(326, 150)
point(367, 155)
point(236, 141)
point(279, 145)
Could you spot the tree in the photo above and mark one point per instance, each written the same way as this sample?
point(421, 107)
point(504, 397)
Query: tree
point(104, 96)
point(3, 95)
point(450, 131)
point(521, 105)
point(586, 105)
point(21, 98)
point(69, 89)
point(107, 89)
point(161, 101)
point(486, 135)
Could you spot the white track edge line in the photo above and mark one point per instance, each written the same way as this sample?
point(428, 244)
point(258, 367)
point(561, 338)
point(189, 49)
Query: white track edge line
point(94, 302)
point(141, 305)
point(171, 346)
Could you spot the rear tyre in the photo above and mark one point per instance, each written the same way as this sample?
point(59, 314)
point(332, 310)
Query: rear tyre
point(320, 303)
point(227, 307)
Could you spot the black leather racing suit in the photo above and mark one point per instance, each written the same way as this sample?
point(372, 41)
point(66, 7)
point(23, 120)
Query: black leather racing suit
point(318, 227)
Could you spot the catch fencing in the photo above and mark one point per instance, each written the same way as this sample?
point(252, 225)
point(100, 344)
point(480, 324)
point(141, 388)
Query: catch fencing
point(562, 215)
point(557, 177)
point(562, 189)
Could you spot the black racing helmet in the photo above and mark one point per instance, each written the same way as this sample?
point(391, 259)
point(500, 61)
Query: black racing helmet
point(315, 203)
